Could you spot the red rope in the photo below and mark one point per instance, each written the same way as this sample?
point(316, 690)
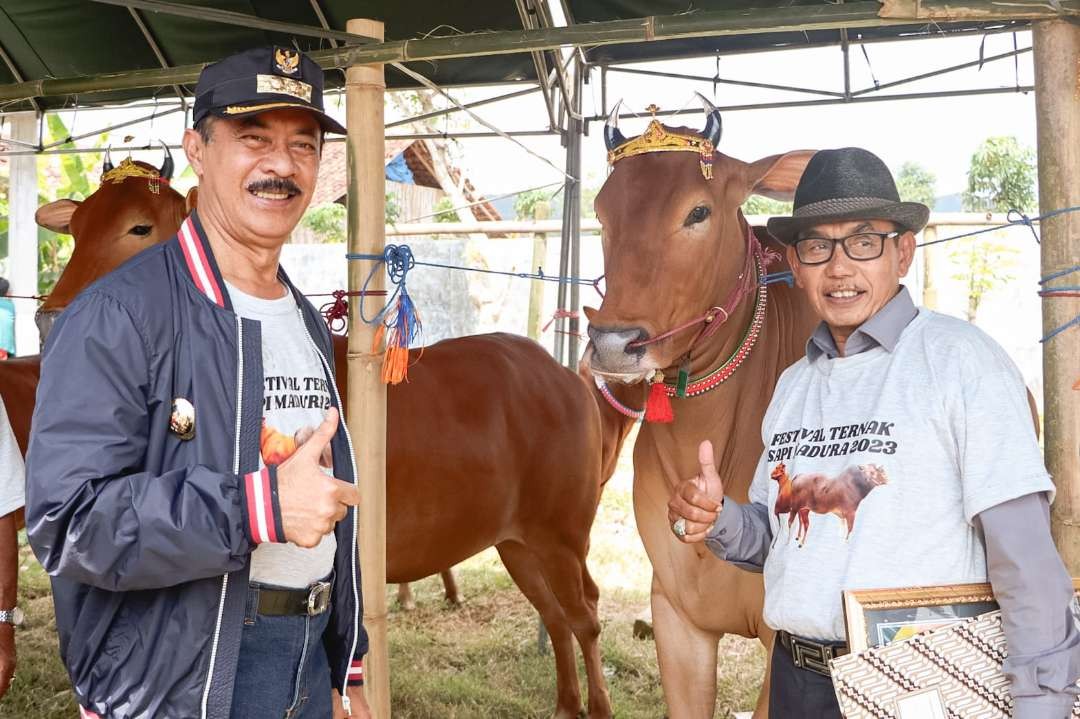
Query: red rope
point(336, 313)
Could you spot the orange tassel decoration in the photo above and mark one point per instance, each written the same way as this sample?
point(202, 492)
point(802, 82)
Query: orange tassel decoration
point(658, 407)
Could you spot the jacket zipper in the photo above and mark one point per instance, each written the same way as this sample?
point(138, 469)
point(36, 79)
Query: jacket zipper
point(236, 470)
point(345, 701)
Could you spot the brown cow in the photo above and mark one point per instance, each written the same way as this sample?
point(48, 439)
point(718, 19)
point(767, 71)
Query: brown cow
point(675, 244)
point(470, 465)
point(821, 494)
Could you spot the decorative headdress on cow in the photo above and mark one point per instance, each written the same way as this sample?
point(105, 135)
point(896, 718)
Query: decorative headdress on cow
point(658, 138)
point(127, 168)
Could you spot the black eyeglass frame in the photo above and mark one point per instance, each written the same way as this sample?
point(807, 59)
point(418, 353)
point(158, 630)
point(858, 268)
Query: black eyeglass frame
point(842, 241)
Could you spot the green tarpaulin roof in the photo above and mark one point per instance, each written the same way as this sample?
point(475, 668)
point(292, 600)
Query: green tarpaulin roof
point(69, 38)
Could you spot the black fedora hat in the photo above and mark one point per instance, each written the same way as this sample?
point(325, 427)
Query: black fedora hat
point(846, 184)
point(260, 80)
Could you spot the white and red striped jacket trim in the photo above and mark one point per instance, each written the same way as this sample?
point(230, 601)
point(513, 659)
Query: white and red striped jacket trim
point(263, 512)
point(356, 673)
point(87, 714)
point(198, 264)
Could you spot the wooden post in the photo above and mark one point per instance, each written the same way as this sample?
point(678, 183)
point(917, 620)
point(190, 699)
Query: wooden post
point(1057, 113)
point(536, 289)
point(929, 297)
point(23, 234)
point(364, 96)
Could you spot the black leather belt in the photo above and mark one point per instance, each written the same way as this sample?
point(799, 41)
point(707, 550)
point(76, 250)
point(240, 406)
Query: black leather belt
point(290, 602)
point(810, 655)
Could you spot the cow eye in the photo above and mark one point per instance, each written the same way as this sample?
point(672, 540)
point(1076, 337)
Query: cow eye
point(141, 230)
point(698, 214)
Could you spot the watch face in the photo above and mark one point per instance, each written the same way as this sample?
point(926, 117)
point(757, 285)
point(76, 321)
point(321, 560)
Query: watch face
point(17, 616)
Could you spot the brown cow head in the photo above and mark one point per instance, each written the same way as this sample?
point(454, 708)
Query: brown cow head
point(131, 210)
point(674, 243)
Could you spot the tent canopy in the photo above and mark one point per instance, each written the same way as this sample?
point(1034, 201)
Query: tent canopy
point(42, 39)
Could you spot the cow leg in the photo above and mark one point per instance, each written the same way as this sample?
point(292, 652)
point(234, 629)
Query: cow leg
point(527, 573)
point(766, 636)
point(687, 657)
point(577, 594)
point(451, 587)
point(405, 597)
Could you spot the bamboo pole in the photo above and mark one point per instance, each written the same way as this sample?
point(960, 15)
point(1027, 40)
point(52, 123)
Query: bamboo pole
point(365, 87)
point(1057, 114)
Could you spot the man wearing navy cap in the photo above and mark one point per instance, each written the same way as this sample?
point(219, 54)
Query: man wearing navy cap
point(191, 489)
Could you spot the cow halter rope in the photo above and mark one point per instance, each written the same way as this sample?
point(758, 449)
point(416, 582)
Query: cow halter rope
point(657, 138)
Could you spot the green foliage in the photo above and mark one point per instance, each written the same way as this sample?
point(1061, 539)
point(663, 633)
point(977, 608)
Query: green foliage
point(525, 204)
point(915, 183)
point(1001, 177)
point(66, 176)
point(444, 210)
point(327, 222)
point(986, 266)
point(758, 205)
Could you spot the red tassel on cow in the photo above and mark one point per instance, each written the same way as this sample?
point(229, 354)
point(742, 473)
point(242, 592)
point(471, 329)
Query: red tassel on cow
point(658, 407)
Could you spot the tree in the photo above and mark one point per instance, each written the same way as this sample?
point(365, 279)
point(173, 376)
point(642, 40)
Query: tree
point(1001, 177)
point(985, 266)
point(916, 184)
point(327, 221)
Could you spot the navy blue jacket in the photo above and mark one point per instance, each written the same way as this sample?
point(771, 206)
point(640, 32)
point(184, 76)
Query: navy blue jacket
point(148, 537)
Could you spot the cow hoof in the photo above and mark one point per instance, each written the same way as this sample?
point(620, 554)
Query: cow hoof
point(407, 605)
point(642, 629)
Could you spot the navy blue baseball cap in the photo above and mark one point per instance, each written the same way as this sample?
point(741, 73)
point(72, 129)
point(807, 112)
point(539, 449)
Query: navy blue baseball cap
point(259, 80)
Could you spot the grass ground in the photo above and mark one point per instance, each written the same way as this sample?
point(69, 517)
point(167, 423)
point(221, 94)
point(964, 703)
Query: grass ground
point(479, 661)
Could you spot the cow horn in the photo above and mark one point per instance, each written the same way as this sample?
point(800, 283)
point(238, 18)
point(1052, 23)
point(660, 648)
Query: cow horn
point(107, 167)
point(166, 166)
point(714, 124)
point(612, 136)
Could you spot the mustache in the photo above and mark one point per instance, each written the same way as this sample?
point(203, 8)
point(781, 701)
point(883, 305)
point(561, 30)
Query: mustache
point(275, 184)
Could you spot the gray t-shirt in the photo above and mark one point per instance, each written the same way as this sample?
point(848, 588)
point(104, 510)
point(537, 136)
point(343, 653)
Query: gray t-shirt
point(902, 449)
point(295, 400)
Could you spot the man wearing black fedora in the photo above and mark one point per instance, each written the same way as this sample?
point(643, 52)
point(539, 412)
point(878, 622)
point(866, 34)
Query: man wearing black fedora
point(902, 445)
point(191, 489)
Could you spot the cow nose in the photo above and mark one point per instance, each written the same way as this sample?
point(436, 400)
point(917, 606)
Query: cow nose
point(610, 352)
point(44, 320)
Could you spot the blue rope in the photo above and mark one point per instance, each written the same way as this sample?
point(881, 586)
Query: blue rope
point(1021, 219)
point(398, 260)
point(1047, 292)
point(538, 275)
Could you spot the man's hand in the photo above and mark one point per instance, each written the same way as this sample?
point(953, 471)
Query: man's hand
point(7, 657)
point(697, 501)
point(358, 704)
point(311, 502)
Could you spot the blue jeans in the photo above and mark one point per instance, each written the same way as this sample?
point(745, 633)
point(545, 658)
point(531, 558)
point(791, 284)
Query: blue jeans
point(282, 672)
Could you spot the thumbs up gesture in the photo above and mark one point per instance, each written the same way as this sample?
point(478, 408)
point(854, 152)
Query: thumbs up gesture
point(696, 502)
point(311, 502)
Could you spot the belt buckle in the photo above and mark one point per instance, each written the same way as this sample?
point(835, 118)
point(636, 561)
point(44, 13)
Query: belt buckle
point(318, 599)
point(811, 655)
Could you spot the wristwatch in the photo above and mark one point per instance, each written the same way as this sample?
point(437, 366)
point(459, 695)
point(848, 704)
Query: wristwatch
point(13, 616)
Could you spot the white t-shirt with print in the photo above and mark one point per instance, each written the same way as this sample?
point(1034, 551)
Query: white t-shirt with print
point(908, 446)
point(295, 400)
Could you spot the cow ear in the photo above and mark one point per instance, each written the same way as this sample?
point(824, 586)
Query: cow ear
point(777, 176)
point(56, 216)
point(191, 201)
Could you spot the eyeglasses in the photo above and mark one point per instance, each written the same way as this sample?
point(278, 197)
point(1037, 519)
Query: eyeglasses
point(861, 246)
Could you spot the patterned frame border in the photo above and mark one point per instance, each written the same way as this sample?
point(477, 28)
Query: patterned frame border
point(857, 602)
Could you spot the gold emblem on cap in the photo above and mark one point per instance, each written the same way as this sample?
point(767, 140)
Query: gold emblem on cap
point(182, 419)
point(287, 61)
point(278, 85)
